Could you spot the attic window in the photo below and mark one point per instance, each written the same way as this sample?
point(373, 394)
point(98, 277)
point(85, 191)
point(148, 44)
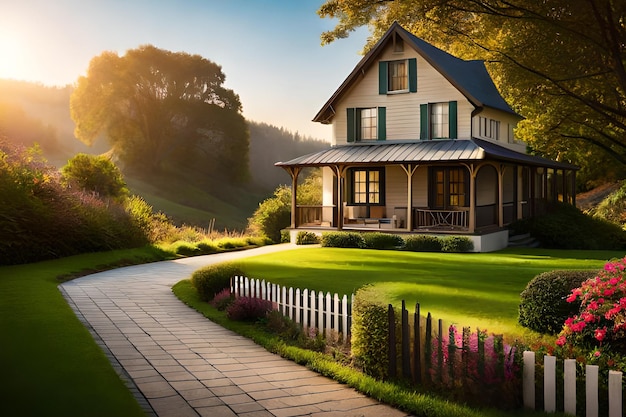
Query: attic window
point(398, 44)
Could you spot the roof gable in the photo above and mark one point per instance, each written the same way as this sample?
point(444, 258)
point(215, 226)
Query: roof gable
point(469, 77)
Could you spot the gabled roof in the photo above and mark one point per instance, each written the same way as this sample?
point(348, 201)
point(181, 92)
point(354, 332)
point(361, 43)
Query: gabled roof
point(469, 77)
point(427, 151)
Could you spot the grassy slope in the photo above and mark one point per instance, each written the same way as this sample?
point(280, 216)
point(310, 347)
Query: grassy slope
point(478, 290)
point(50, 364)
point(187, 203)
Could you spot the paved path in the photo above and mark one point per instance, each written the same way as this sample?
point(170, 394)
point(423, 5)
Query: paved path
point(180, 364)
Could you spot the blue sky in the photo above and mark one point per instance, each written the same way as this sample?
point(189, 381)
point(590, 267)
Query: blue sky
point(269, 49)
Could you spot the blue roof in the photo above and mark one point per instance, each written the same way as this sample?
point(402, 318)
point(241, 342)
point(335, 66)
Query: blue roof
point(469, 77)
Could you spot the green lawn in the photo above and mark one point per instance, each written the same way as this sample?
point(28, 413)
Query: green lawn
point(50, 364)
point(471, 289)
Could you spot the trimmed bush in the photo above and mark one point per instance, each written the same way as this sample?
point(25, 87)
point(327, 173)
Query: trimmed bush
point(342, 240)
point(212, 279)
point(248, 309)
point(382, 241)
point(307, 238)
point(566, 227)
point(422, 243)
point(456, 244)
point(543, 306)
point(370, 330)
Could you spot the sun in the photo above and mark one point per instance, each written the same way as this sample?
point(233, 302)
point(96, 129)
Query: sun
point(11, 57)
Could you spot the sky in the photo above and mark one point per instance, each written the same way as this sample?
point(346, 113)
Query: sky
point(269, 50)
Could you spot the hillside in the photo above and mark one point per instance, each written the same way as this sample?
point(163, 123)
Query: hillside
point(32, 113)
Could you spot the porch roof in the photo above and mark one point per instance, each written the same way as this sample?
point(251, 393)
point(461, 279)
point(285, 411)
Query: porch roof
point(430, 151)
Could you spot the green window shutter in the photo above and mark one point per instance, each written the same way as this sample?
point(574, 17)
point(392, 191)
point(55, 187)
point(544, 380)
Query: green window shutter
point(351, 134)
point(452, 120)
point(382, 124)
point(413, 75)
point(424, 121)
point(382, 77)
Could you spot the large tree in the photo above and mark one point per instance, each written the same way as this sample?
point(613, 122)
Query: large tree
point(159, 108)
point(560, 64)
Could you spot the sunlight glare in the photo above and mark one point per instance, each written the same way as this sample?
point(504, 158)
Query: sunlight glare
point(11, 57)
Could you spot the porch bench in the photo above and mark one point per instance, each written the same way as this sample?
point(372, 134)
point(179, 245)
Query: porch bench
point(382, 223)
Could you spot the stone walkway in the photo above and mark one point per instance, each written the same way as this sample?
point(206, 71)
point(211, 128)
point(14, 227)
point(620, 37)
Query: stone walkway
point(180, 364)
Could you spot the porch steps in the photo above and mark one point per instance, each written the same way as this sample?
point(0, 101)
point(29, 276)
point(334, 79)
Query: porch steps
point(524, 240)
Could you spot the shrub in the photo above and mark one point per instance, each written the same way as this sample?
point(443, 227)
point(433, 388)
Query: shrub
point(272, 215)
point(543, 306)
point(422, 243)
point(566, 227)
point(370, 330)
point(248, 309)
point(223, 299)
point(207, 247)
point(97, 174)
point(600, 328)
point(613, 207)
point(307, 238)
point(186, 249)
point(342, 240)
point(457, 244)
point(379, 240)
point(212, 279)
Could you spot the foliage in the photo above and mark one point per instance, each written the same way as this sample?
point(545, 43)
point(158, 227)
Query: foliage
point(274, 213)
point(96, 174)
point(543, 306)
point(370, 330)
point(560, 63)
point(566, 227)
point(42, 219)
point(248, 309)
point(456, 244)
point(613, 207)
point(378, 240)
point(422, 243)
point(306, 238)
point(600, 327)
point(158, 107)
point(223, 299)
point(342, 240)
point(212, 279)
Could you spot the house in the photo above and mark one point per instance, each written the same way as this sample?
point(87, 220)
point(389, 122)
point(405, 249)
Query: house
point(423, 142)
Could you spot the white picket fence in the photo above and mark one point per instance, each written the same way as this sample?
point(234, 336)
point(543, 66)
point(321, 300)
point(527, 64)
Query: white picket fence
point(311, 309)
point(569, 387)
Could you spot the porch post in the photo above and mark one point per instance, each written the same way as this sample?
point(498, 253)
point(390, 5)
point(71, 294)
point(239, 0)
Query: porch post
point(472, 211)
point(340, 171)
point(501, 170)
point(294, 172)
point(409, 169)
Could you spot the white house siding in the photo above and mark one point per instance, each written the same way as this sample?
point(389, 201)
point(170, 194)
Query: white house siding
point(327, 194)
point(403, 111)
point(507, 124)
point(395, 187)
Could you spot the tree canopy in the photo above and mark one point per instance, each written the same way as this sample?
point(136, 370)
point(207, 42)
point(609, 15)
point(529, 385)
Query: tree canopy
point(159, 108)
point(560, 64)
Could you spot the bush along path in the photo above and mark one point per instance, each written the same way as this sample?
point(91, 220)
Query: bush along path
point(181, 364)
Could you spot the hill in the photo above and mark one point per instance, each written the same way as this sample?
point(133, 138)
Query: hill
point(32, 113)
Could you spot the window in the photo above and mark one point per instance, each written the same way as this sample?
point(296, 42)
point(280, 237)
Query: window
point(399, 76)
point(449, 187)
point(438, 120)
point(495, 129)
point(366, 124)
point(367, 186)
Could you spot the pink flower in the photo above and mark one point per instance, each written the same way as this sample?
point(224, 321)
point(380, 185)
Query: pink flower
point(597, 353)
point(613, 281)
point(600, 334)
point(561, 341)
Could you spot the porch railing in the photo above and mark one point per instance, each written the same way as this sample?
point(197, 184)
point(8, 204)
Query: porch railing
point(441, 218)
point(309, 215)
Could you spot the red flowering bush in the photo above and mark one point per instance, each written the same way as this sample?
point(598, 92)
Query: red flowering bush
point(248, 309)
point(600, 327)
